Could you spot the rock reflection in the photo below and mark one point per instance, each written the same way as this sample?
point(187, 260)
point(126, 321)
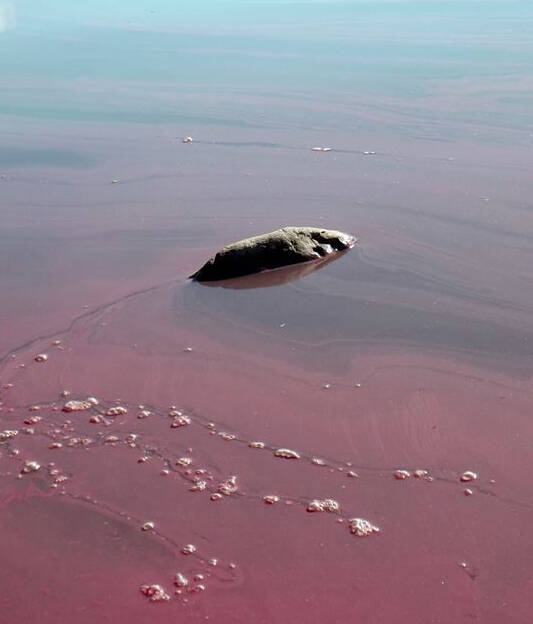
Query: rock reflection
point(275, 277)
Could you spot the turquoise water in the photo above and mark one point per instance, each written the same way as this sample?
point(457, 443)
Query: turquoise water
point(168, 62)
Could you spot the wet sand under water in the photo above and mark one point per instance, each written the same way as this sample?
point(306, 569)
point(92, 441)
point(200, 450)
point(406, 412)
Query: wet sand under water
point(412, 351)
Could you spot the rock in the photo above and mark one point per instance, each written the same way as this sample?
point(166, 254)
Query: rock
point(290, 245)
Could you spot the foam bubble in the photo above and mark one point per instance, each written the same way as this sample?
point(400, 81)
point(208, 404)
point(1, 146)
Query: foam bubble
point(30, 466)
point(361, 527)
point(402, 474)
point(257, 445)
point(199, 486)
point(286, 453)
point(180, 580)
point(180, 421)
point(229, 486)
point(155, 593)
point(118, 410)
point(7, 434)
point(227, 436)
point(76, 406)
point(328, 504)
point(148, 526)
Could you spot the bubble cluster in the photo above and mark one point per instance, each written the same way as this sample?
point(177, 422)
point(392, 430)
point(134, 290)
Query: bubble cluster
point(180, 421)
point(155, 593)
point(7, 434)
point(198, 486)
point(327, 504)
point(30, 466)
point(117, 410)
point(112, 423)
point(77, 406)
point(402, 474)
point(362, 528)
point(229, 486)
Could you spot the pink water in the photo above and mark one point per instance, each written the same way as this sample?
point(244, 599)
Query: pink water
point(412, 351)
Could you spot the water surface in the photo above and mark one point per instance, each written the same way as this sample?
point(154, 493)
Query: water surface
point(412, 351)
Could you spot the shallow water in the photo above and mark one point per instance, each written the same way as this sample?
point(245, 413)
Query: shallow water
point(412, 351)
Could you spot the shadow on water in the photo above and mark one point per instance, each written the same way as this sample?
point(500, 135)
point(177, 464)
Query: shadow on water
point(338, 306)
point(21, 157)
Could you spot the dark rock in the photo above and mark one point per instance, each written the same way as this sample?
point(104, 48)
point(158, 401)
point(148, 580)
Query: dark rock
point(290, 245)
point(276, 277)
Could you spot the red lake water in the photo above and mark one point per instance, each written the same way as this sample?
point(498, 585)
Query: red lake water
point(161, 438)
